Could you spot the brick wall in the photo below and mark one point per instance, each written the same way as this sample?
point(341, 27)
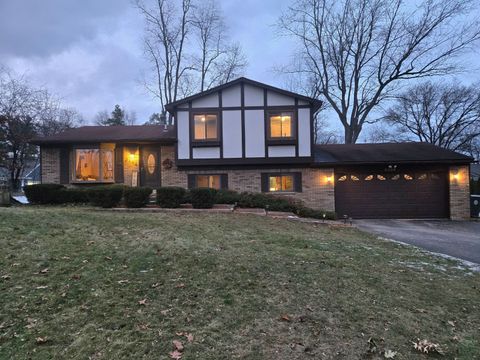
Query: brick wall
point(317, 192)
point(50, 160)
point(459, 192)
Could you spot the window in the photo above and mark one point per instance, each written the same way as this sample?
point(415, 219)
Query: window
point(369, 177)
point(208, 181)
point(93, 165)
point(396, 177)
point(354, 178)
point(342, 178)
point(281, 125)
point(281, 183)
point(381, 177)
point(422, 177)
point(205, 127)
point(407, 177)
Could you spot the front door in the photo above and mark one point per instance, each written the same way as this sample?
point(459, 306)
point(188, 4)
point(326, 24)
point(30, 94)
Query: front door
point(150, 166)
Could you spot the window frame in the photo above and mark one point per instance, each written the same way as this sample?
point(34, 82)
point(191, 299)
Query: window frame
point(204, 142)
point(296, 180)
point(223, 178)
point(101, 180)
point(287, 140)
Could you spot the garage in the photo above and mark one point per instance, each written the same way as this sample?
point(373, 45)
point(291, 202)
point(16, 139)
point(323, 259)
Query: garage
point(404, 192)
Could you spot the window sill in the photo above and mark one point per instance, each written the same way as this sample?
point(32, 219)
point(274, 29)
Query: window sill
point(275, 142)
point(92, 182)
point(282, 192)
point(205, 143)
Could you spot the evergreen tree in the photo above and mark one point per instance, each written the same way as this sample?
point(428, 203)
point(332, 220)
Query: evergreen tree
point(117, 117)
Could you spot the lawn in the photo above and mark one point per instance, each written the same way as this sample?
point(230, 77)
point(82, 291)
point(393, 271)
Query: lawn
point(76, 283)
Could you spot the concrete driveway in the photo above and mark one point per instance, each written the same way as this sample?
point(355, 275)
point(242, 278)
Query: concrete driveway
point(460, 239)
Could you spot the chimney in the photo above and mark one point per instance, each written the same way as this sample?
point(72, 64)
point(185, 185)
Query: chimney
point(163, 118)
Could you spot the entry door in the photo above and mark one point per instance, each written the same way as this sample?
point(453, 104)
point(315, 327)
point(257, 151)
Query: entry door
point(150, 166)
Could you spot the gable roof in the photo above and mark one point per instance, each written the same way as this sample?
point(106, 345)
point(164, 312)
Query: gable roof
point(407, 152)
point(95, 134)
point(315, 102)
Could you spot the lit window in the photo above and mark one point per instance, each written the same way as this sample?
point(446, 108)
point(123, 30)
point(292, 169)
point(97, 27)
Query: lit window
point(205, 127)
point(342, 178)
point(93, 165)
point(396, 177)
point(422, 177)
point(279, 183)
point(434, 176)
point(354, 178)
point(407, 177)
point(208, 181)
point(369, 177)
point(381, 177)
point(281, 125)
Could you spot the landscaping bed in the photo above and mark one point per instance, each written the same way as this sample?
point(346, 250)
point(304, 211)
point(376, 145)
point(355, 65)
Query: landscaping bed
point(77, 283)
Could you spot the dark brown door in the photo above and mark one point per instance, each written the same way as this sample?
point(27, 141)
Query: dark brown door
point(406, 193)
point(150, 166)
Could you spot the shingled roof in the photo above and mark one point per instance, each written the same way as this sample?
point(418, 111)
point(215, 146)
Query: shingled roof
point(407, 152)
point(93, 134)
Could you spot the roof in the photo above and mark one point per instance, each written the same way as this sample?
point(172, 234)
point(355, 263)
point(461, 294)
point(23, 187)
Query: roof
point(94, 134)
point(315, 102)
point(406, 152)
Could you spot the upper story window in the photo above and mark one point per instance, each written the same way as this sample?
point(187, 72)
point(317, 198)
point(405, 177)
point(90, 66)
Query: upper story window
point(281, 125)
point(93, 165)
point(205, 127)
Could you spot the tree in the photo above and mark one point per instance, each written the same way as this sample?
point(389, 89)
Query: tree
point(446, 115)
point(359, 51)
point(187, 46)
point(157, 119)
point(117, 117)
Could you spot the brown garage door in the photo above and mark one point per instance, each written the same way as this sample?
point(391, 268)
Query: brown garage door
point(376, 193)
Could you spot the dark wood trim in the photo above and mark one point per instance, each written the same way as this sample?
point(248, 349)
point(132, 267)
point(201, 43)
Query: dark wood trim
point(40, 154)
point(246, 161)
point(297, 181)
point(205, 143)
point(258, 107)
point(242, 114)
point(210, 143)
point(220, 122)
point(176, 135)
point(265, 115)
point(279, 142)
point(296, 126)
point(190, 136)
point(192, 179)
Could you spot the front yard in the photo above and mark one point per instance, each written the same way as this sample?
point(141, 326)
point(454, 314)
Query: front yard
point(78, 283)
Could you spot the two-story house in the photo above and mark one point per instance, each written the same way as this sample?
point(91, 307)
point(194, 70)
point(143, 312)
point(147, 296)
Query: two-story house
point(249, 136)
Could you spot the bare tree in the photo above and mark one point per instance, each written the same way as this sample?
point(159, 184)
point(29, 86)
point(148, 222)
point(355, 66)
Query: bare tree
point(217, 61)
point(166, 32)
point(358, 51)
point(441, 114)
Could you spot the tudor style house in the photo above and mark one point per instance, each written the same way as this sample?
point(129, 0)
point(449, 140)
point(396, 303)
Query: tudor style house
point(249, 136)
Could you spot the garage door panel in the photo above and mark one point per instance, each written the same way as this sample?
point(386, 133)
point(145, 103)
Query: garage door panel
point(411, 193)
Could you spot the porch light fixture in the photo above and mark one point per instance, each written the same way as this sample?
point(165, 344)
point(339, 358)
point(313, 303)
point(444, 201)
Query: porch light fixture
point(131, 157)
point(455, 174)
point(329, 179)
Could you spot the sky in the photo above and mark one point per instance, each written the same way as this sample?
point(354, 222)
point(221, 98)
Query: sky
point(90, 53)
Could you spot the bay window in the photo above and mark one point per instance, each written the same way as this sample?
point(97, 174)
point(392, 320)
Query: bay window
point(93, 165)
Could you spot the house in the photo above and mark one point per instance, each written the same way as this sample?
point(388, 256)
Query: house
point(249, 136)
point(475, 171)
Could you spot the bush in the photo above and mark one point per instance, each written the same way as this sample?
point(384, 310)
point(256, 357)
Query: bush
point(315, 214)
point(170, 196)
point(227, 197)
point(136, 197)
point(71, 196)
point(43, 193)
point(106, 196)
point(274, 203)
point(203, 198)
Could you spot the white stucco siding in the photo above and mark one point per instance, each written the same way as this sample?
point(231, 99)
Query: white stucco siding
point(253, 95)
point(206, 101)
point(232, 133)
point(281, 151)
point(304, 132)
point(254, 133)
point(206, 153)
point(183, 135)
point(231, 96)
point(276, 99)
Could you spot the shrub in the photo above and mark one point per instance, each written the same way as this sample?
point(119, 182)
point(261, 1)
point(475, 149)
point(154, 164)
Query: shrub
point(106, 196)
point(202, 198)
point(136, 197)
point(43, 193)
point(71, 196)
point(227, 197)
point(170, 196)
point(316, 214)
point(274, 203)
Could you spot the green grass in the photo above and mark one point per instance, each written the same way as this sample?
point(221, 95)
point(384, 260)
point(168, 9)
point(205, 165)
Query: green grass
point(227, 280)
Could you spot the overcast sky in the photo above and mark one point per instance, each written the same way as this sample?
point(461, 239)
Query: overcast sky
point(89, 52)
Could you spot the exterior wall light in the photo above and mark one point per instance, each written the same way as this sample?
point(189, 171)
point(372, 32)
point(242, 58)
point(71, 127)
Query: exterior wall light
point(455, 175)
point(329, 179)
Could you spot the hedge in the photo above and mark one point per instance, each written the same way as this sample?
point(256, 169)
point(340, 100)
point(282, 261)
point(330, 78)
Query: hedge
point(106, 196)
point(202, 198)
point(43, 193)
point(136, 197)
point(170, 196)
point(224, 196)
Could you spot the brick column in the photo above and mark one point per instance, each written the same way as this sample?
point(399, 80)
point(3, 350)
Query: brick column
point(50, 161)
point(459, 192)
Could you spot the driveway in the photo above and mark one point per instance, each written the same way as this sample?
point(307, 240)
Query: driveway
point(460, 239)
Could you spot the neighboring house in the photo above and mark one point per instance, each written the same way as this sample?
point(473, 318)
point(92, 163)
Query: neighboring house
point(475, 171)
point(31, 174)
point(249, 136)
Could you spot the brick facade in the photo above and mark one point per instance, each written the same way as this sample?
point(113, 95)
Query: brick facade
point(317, 184)
point(459, 192)
point(50, 165)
